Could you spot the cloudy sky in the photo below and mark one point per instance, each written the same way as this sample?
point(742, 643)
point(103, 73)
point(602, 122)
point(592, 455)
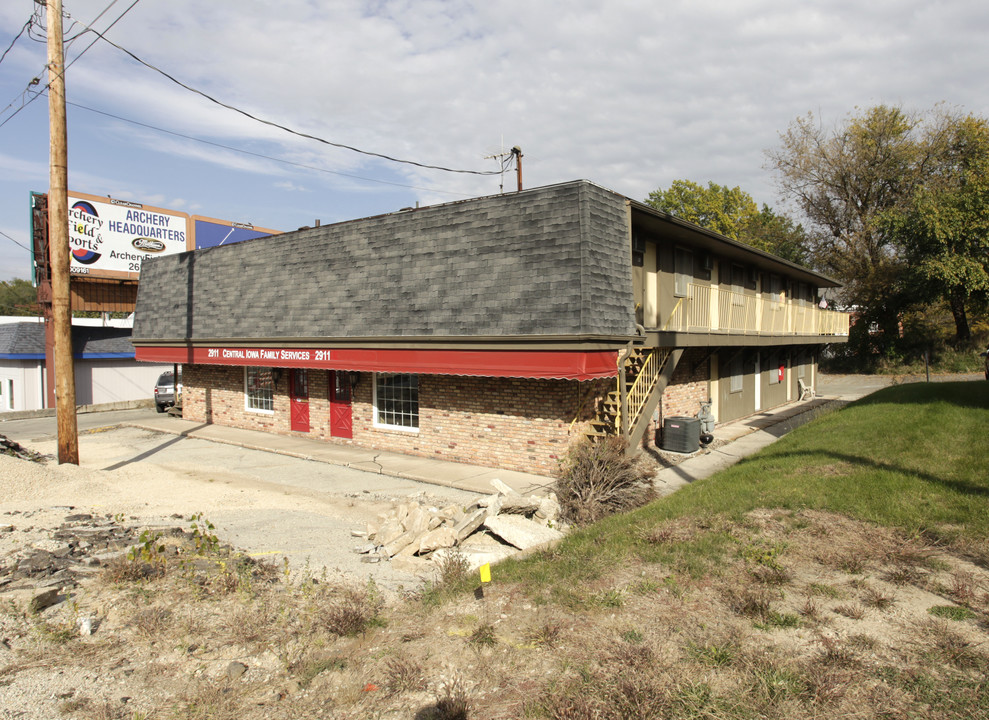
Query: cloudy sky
point(632, 94)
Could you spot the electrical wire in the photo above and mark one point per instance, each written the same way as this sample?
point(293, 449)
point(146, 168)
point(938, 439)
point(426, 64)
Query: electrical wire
point(98, 34)
point(506, 163)
point(14, 241)
point(14, 41)
point(260, 155)
point(35, 21)
point(285, 128)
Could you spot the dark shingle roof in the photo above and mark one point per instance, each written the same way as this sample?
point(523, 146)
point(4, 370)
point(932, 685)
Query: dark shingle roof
point(545, 262)
point(22, 338)
point(27, 339)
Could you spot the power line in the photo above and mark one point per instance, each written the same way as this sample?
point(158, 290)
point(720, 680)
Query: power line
point(259, 155)
point(35, 21)
point(99, 35)
point(288, 129)
point(505, 164)
point(14, 41)
point(14, 241)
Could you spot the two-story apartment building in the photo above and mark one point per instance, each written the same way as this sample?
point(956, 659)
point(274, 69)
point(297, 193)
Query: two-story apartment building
point(492, 331)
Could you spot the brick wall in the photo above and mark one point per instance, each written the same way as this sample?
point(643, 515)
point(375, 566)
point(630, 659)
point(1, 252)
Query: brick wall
point(511, 423)
point(688, 388)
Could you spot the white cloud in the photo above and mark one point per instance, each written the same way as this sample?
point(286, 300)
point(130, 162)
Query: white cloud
point(632, 94)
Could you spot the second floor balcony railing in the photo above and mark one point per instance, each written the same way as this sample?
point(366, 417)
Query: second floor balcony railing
point(712, 309)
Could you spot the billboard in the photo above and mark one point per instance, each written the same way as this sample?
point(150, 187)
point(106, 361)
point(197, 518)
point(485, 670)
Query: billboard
point(110, 238)
point(208, 232)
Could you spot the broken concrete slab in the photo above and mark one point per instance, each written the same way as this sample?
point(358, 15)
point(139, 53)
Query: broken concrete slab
point(549, 511)
point(442, 537)
point(409, 564)
point(417, 520)
point(475, 557)
point(389, 532)
point(518, 505)
point(503, 489)
point(492, 503)
point(470, 524)
point(398, 544)
point(521, 532)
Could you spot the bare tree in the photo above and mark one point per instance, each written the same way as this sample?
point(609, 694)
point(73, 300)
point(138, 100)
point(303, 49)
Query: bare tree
point(846, 180)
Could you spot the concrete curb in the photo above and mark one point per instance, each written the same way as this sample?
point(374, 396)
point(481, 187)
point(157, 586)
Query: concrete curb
point(80, 409)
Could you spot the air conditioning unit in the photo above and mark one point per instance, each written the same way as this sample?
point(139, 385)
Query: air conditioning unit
point(681, 434)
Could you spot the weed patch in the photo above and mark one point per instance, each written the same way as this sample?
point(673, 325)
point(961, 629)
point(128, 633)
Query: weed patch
point(951, 612)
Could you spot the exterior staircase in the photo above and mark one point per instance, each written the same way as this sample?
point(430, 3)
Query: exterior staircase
point(642, 378)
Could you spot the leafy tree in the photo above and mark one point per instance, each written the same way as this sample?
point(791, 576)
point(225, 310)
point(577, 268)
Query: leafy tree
point(847, 181)
point(944, 231)
point(717, 207)
point(18, 297)
point(778, 234)
point(732, 212)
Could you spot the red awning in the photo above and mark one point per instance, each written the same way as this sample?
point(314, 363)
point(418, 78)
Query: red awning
point(542, 364)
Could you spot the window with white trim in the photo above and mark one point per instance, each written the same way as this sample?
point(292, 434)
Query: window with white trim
point(396, 401)
point(259, 389)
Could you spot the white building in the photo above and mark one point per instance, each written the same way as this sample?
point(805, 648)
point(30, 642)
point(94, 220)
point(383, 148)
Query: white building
point(105, 368)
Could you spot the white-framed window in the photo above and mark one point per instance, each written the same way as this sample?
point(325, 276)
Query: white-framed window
point(396, 401)
point(737, 370)
point(683, 271)
point(259, 389)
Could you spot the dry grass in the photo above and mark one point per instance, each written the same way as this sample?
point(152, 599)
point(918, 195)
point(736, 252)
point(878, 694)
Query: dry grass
point(405, 675)
point(150, 623)
point(641, 641)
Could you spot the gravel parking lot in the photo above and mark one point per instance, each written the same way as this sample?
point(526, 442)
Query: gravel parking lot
point(269, 505)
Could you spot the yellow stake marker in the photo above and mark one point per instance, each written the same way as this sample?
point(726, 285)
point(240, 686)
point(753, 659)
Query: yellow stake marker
point(485, 573)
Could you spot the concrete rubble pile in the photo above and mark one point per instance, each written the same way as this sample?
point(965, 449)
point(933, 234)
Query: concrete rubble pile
point(412, 536)
point(44, 570)
point(14, 449)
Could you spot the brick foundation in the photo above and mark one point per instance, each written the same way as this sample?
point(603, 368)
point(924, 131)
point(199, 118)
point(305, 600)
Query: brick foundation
point(688, 388)
point(510, 423)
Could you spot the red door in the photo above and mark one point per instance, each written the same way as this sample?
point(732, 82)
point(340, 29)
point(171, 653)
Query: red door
point(341, 416)
point(299, 400)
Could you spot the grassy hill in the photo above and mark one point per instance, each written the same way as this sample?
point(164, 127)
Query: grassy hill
point(841, 572)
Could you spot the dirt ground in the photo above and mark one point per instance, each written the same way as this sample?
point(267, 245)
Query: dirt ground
point(813, 616)
point(268, 505)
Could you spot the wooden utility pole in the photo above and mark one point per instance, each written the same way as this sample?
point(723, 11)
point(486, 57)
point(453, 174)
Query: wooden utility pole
point(58, 243)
